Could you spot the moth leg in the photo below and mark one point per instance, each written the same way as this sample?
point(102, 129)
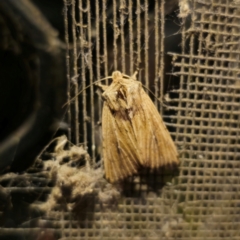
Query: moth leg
point(103, 87)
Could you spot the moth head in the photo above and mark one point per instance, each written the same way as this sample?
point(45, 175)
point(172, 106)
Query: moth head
point(116, 75)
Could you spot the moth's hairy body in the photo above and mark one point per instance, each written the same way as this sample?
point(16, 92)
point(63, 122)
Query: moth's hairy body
point(133, 131)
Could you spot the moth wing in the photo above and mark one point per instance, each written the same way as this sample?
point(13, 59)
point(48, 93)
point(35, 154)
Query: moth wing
point(120, 153)
point(154, 140)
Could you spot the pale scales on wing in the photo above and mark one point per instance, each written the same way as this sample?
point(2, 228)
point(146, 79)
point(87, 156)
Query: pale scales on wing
point(133, 131)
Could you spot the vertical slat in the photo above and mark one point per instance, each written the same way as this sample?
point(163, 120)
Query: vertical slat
point(75, 72)
point(146, 45)
point(161, 74)
point(90, 67)
point(97, 37)
point(105, 51)
point(156, 26)
point(69, 113)
point(98, 111)
point(138, 12)
point(122, 22)
point(115, 35)
point(130, 22)
point(83, 70)
point(97, 107)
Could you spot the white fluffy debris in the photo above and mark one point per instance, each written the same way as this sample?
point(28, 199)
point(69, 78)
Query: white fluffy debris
point(184, 8)
point(74, 184)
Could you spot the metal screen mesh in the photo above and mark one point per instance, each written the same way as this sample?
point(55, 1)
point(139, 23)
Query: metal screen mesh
point(199, 101)
point(203, 202)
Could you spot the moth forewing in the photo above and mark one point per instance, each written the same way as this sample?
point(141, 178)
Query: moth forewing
point(133, 131)
point(153, 137)
point(120, 152)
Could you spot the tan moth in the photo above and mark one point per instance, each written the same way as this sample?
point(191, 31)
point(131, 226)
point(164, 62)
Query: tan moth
point(134, 133)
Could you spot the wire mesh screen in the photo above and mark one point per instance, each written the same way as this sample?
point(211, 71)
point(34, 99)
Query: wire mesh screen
point(127, 36)
point(199, 101)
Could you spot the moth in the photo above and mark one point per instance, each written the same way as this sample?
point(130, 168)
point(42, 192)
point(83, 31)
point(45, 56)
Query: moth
point(133, 131)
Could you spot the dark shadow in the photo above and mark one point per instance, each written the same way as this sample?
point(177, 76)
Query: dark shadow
point(84, 209)
point(148, 181)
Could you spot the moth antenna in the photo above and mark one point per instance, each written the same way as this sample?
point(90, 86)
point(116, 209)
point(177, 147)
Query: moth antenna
point(134, 75)
point(152, 93)
point(103, 87)
point(134, 78)
point(68, 102)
